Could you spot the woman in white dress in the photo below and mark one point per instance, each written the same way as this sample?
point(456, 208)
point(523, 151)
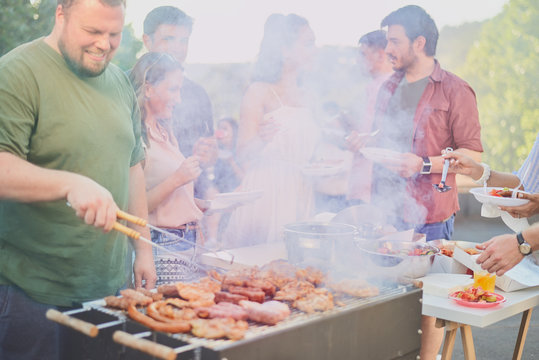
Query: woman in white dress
point(277, 135)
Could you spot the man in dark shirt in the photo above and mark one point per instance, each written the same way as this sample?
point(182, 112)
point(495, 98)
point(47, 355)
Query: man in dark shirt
point(168, 29)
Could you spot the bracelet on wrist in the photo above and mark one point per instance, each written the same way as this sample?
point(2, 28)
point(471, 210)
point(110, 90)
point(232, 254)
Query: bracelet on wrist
point(485, 176)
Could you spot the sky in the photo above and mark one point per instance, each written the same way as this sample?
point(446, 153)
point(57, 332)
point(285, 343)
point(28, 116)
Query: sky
point(230, 31)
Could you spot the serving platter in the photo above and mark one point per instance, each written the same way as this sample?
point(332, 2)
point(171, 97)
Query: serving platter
point(478, 304)
point(482, 195)
point(226, 201)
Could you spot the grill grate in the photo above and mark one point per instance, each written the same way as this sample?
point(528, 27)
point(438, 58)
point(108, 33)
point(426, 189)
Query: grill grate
point(256, 330)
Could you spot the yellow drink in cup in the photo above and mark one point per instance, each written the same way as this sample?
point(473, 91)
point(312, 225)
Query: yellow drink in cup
point(484, 279)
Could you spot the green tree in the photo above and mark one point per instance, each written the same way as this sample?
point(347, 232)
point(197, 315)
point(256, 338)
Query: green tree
point(503, 68)
point(22, 21)
point(126, 56)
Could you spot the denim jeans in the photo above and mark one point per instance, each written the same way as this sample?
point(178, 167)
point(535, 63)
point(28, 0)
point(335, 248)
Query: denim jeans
point(439, 230)
point(25, 332)
point(172, 268)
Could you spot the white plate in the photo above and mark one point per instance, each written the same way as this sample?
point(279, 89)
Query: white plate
point(482, 195)
point(377, 154)
point(225, 201)
point(323, 169)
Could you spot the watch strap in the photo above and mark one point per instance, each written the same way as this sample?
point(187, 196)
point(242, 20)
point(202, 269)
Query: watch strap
point(520, 238)
point(427, 166)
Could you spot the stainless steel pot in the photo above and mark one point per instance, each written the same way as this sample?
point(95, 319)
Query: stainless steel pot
point(320, 244)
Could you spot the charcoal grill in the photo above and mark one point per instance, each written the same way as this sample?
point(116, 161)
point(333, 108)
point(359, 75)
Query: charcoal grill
point(383, 327)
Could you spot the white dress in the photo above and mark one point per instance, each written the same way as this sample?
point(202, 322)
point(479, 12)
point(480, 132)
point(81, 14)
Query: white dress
point(287, 194)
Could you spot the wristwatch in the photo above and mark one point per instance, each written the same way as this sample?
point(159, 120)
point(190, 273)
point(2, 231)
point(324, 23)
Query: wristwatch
point(427, 166)
point(523, 246)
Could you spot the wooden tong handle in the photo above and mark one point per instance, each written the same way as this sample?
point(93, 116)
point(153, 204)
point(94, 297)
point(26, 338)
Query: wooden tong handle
point(131, 218)
point(127, 231)
point(84, 327)
point(147, 346)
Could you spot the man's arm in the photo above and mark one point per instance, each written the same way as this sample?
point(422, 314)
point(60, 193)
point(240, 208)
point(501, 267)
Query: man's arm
point(501, 253)
point(24, 182)
point(144, 267)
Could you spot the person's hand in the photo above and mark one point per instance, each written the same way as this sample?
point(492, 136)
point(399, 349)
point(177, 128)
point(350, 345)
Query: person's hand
point(500, 254)
point(144, 268)
point(206, 150)
point(91, 202)
point(267, 129)
point(463, 164)
point(526, 210)
point(188, 171)
point(356, 141)
point(405, 165)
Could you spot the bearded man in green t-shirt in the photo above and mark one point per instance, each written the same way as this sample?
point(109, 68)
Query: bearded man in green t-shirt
point(69, 132)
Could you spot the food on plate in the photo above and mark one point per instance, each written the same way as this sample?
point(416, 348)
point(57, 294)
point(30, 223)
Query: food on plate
point(475, 294)
point(447, 251)
point(222, 310)
point(270, 312)
point(472, 251)
point(386, 248)
point(505, 192)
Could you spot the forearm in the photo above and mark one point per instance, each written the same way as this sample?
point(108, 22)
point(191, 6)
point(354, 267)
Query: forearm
point(501, 179)
point(160, 192)
point(24, 182)
point(531, 235)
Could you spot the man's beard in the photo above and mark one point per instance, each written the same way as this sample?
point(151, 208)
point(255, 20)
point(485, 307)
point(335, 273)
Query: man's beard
point(76, 66)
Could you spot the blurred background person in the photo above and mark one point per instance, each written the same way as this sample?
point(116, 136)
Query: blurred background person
point(228, 173)
point(373, 60)
point(157, 79)
point(277, 134)
point(168, 29)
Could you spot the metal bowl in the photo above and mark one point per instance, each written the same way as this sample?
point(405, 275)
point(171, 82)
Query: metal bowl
point(319, 243)
point(400, 264)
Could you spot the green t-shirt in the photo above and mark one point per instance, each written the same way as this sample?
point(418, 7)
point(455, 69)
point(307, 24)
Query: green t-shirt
point(54, 119)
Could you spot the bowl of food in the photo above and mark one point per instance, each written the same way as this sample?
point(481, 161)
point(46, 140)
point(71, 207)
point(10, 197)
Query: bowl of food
point(412, 259)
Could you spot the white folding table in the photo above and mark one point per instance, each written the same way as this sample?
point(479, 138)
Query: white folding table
point(455, 317)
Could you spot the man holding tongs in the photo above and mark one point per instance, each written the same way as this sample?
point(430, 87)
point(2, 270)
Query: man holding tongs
point(69, 132)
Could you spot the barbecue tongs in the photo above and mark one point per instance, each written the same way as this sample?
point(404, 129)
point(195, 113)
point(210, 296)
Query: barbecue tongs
point(142, 222)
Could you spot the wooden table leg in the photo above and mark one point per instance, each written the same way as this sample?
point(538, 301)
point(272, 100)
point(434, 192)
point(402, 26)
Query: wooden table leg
point(467, 342)
point(451, 329)
point(524, 324)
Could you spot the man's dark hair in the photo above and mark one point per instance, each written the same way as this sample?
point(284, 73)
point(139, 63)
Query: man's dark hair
point(68, 3)
point(168, 15)
point(416, 22)
point(376, 39)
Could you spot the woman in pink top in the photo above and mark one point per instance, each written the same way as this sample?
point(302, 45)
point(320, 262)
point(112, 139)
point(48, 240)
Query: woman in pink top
point(157, 78)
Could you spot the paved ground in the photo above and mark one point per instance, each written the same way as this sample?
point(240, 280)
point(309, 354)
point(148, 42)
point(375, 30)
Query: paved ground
point(498, 340)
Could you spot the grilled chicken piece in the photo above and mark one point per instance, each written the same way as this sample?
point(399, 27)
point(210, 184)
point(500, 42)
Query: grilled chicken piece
point(316, 300)
point(219, 328)
point(270, 312)
point(222, 310)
